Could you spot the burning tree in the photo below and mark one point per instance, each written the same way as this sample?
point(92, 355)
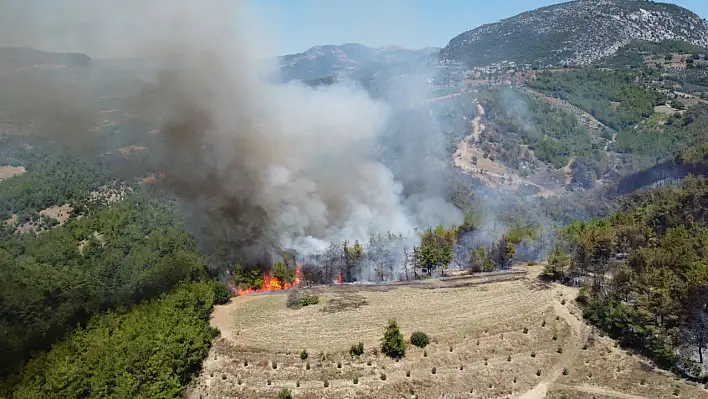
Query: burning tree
point(352, 258)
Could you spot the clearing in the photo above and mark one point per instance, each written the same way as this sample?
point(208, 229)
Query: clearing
point(8, 171)
point(490, 338)
point(59, 213)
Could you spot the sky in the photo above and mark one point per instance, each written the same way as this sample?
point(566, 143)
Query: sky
point(300, 24)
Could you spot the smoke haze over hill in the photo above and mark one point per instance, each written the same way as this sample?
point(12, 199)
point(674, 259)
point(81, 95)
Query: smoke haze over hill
point(269, 166)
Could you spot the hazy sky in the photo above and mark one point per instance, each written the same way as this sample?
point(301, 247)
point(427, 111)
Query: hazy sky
point(300, 24)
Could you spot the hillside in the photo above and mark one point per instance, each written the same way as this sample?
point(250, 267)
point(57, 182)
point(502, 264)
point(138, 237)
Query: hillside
point(13, 59)
point(558, 34)
point(320, 61)
point(172, 228)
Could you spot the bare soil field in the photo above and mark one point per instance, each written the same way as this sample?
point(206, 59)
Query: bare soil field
point(125, 151)
point(490, 338)
point(8, 171)
point(59, 213)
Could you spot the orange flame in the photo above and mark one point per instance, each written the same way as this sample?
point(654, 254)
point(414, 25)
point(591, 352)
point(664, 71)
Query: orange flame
point(339, 278)
point(271, 283)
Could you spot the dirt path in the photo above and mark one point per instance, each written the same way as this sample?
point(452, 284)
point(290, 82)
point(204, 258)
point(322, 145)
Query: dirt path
point(223, 317)
point(599, 391)
point(485, 168)
point(579, 333)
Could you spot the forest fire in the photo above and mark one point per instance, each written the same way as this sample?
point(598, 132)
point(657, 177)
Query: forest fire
point(339, 278)
point(271, 283)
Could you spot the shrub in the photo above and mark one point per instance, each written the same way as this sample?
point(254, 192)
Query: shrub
point(565, 371)
point(450, 348)
point(326, 384)
point(533, 353)
point(357, 350)
point(339, 365)
point(275, 365)
point(585, 347)
point(298, 299)
point(419, 339)
point(526, 330)
point(383, 377)
point(434, 370)
point(408, 373)
point(462, 367)
point(368, 363)
point(425, 353)
point(543, 324)
point(304, 354)
point(245, 363)
point(268, 382)
point(356, 380)
point(643, 381)
point(508, 359)
point(555, 337)
point(307, 366)
point(559, 350)
point(297, 384)
point(222, 293)
point(392, 343)
point(538, 372)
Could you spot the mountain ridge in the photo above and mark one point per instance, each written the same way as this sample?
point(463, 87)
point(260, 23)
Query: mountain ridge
point(323, 60)
point(557, 35)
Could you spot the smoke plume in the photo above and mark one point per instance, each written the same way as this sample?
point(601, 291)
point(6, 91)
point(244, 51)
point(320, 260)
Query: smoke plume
point(261, 165)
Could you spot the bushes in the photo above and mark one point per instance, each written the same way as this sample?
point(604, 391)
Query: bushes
point(222, 293)
point(285, 394)
point(298, 299)
point(392, 343)
point(419, 339)
point(357, 350)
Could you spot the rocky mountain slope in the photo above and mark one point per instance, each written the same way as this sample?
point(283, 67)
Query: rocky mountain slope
point(577, 32)
point(321, 61)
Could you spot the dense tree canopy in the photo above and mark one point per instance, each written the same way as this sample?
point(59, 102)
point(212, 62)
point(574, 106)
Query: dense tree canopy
point(130, 251)
point(151, 351)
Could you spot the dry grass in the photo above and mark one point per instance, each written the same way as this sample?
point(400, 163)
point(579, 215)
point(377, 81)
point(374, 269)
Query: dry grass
point(665, 109)
point(604, 365)
point(448, 314)
point(483, 324)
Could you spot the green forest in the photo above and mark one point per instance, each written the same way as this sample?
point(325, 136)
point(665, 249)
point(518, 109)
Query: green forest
point(612, 97)
point(645, 273)
point(553, 133)
point(150, 351)
point(113, 258)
